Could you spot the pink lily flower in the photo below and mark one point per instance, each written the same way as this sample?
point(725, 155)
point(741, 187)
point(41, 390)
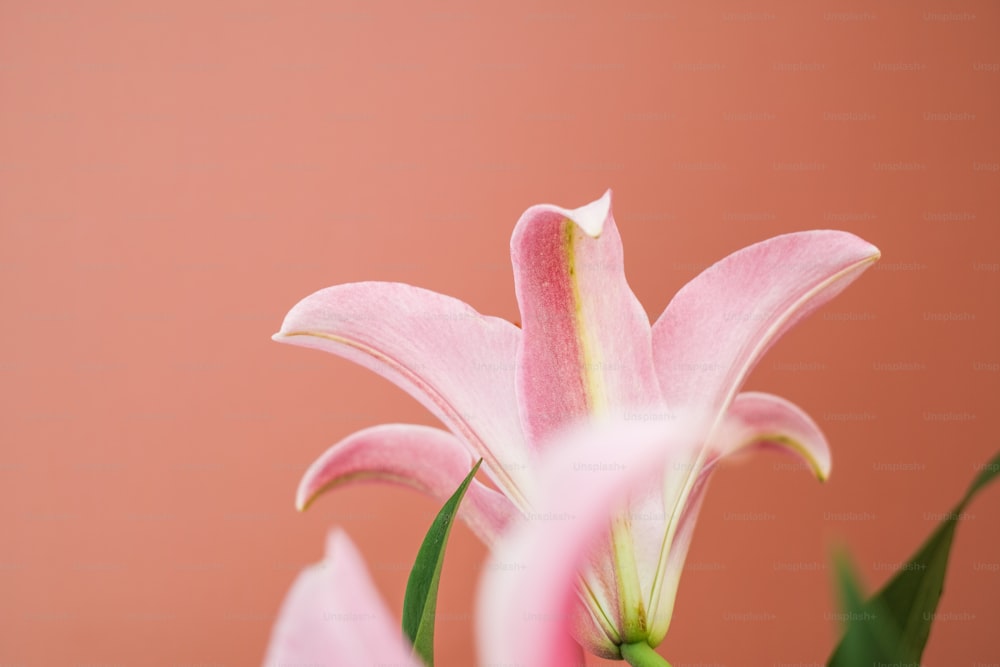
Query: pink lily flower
point(585, 352)
point(333, 615)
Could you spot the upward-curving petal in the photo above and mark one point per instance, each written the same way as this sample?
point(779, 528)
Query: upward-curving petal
point(716, 328)
point(455, 361)
point(427, 459)
point(586, 346)
point(531, 587)
point(757, 420)
point(334, 616)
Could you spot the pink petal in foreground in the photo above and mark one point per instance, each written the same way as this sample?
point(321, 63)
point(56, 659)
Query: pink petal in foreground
point(333, 616)
point(458, 363)
point(530, 588)
point(586, 345)
point(717, 327)
point(427, 459)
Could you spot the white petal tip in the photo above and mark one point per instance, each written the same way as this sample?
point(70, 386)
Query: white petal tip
point(873, 254)
point(306, 494)
point(591, 217)
point(865, 251)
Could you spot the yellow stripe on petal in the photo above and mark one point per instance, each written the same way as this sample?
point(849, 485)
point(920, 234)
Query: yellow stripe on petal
point(590, 362)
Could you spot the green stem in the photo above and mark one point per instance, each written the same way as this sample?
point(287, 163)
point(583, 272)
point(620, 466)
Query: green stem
point(640, 654)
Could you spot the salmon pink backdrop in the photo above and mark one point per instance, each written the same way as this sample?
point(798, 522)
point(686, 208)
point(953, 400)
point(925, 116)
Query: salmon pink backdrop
point(175, 176)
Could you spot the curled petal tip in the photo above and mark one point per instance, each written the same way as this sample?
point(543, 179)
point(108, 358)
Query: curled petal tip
point(820, 469)
point(591, 217)
point(311, 487)
point(868, 252)
point(310, 490)
point(758, 420)
point(302, 501)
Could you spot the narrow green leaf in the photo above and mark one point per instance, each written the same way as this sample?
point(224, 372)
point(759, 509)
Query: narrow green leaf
point(870, 634)
point(420, 603)
point(903, 611)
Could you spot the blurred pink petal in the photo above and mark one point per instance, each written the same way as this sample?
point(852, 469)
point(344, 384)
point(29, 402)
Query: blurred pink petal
point(333, 616)
point(531, 585)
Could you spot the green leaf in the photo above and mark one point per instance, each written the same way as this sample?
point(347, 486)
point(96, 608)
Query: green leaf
point(870, 634)
point(420, 603)
point(898, 618)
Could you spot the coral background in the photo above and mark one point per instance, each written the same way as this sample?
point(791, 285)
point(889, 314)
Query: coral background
point(175, 176)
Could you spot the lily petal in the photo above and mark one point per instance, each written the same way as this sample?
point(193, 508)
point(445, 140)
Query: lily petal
point(458, 363)
point(427, 459)
point(757, 420)
point(333, 615)
point(586, 347)
point(717, 327)
point(754, 421)
point(530, 588)
point(665, 590)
